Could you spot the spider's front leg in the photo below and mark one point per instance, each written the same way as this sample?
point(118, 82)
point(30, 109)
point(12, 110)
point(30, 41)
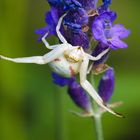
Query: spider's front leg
point(99, 56)
point(89, 88)
point(62, 39)
point(45, 41)
point(55, 53)
point(95, 58)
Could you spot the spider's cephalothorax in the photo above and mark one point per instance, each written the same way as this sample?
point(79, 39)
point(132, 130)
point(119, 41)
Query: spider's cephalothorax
point(68, 61)
point(74, 54)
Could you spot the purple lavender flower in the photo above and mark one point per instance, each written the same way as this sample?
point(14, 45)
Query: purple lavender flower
point(110, 35)
point(79, 96)
point(74, 21)
point(106, 85)
point(59, 80)
point(75, 91)
point(51, 19)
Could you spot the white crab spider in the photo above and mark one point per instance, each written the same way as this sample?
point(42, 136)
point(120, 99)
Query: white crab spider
point(67, 60)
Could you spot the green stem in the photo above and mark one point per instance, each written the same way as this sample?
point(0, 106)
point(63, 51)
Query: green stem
point(98, 127)
point(97, 115)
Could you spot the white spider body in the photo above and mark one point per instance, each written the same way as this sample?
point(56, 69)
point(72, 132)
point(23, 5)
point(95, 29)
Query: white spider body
point(67, 60)
point(74, 54)
point(68, 63)
point(64, 67)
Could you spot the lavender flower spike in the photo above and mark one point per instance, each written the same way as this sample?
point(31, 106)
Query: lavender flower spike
point(106, 85)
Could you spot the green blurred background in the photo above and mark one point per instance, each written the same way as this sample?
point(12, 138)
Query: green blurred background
point(33, 108)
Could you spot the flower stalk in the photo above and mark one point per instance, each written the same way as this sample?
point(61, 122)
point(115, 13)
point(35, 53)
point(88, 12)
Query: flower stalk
point(98, 126)
point(97, 116)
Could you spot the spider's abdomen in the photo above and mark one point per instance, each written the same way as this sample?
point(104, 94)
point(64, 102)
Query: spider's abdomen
point(64, 67)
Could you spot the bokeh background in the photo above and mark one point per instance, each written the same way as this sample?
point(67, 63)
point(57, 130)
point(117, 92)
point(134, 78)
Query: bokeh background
point(33, 108)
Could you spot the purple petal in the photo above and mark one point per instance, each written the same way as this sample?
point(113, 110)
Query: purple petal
point(116, 43)
point(42, 32)
point(59, 80)
point(108, 16)
point(120, 31)
point(106, 85)
point(55, 2)
point(51, 19)
point(79, 96)
point(98, 30)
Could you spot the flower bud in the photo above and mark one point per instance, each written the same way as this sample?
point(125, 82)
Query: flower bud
point(106, 85)
point(79, 96)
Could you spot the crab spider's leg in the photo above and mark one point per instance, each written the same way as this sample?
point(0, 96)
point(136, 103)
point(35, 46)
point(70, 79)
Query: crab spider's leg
point(62, 39)
point(46, 43)
point(96, 58)
point(99, 56)
point(89, 69)
point(89, 88)
point(39, 59)
point(55, 53)
point(32, 59)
